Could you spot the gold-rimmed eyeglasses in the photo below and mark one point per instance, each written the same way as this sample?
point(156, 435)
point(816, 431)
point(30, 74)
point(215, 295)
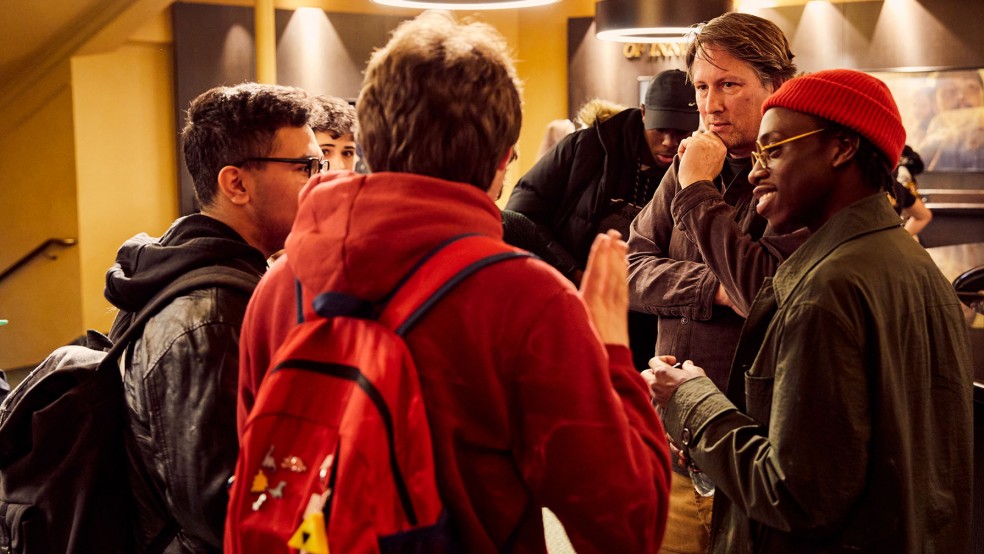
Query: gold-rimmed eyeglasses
point(760, 152)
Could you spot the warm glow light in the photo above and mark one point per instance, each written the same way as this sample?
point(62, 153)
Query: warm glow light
point(647, 34)
point(751, 6)
point(506, 4)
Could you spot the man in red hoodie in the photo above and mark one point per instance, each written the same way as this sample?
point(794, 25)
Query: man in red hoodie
point(530, 403)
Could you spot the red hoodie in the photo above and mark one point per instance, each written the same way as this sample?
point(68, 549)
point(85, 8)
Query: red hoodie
point(526, 406)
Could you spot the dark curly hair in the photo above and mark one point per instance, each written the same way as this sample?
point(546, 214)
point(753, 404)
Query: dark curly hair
point(226, 125)
point(334, 116)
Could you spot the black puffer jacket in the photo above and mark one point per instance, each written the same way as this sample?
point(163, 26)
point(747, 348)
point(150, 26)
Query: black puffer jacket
point(180, 382)
point(569, 190)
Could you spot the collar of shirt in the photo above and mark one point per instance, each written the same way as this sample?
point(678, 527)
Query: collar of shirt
point(865, 216)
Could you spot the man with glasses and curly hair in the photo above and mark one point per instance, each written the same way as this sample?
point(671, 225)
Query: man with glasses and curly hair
point(531, 401)
point(249, 150)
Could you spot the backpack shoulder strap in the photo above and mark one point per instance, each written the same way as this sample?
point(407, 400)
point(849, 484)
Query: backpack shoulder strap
point(438, 274)
point(212, 276)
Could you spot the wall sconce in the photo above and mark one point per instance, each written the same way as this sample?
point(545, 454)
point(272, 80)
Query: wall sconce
point(653, 20)
point(473, 5)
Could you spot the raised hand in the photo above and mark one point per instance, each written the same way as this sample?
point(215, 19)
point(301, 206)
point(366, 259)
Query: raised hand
point(605, 290)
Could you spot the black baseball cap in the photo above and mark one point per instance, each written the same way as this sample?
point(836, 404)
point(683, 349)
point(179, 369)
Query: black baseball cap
point(671, 102)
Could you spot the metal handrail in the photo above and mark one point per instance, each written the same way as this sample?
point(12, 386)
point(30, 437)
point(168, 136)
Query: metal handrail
point(39, 250)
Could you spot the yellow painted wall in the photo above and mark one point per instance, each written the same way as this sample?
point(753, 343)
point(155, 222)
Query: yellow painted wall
point(542, 64)
point(92, 154)
point(126, 152)
point(37, 193)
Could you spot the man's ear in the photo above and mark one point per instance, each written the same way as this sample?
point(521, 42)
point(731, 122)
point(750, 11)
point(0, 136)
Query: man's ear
point(232, 185)
point(847, 148)
point(506, 158)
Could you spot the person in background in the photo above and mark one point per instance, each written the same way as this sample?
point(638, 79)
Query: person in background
point(556, 130)
point(249, 150)
point(522, 232)
point(528, 386)
point(904, 195)
point(847, 425)
point(334, 126)
point(699, 251)
point(599, 178)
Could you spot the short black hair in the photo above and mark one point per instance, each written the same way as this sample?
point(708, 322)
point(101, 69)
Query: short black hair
point(227, 125)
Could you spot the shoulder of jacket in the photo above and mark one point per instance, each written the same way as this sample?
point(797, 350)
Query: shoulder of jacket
point(200, 307)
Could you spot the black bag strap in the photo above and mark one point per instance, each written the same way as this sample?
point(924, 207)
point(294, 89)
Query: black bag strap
point(211, 276)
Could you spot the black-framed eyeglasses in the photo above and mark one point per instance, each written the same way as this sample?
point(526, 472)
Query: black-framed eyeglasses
point(760, 154)
point(314, 165)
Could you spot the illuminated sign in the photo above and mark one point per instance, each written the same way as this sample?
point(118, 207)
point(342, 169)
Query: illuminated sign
point(636, 50)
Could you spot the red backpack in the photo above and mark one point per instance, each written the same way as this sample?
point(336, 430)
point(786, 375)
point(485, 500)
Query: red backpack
point(336, 454)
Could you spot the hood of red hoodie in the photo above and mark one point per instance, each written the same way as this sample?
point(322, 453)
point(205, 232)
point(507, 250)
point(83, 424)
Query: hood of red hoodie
point(359, 234)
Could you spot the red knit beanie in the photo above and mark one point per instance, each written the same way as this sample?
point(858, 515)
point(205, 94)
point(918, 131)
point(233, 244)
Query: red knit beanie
point(853, 99)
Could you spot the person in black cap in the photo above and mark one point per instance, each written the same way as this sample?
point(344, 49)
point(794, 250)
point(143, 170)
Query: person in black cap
point(600, 177)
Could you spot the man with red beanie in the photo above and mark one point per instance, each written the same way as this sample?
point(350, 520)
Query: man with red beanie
point(847, 421)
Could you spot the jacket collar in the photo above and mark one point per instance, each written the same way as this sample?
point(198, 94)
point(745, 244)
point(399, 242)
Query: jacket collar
point(621, 137)
point(868, 215)
point(359, 234)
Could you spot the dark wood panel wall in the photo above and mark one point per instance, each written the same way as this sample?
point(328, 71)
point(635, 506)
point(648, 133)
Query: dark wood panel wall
point(321, 52)
point(880, 35)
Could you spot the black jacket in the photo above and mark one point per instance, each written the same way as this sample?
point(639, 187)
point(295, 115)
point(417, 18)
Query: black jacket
point(180, 381)
point(568, 192)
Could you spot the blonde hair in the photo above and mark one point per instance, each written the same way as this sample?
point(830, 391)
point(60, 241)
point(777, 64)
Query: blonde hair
point(596, 110)
point(441, 99)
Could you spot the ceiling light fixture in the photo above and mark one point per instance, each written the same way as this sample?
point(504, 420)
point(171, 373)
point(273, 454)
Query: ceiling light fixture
point(653, 20)
point(465, 4)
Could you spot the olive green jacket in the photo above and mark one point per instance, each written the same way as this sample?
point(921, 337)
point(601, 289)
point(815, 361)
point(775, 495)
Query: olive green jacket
point(848, 420)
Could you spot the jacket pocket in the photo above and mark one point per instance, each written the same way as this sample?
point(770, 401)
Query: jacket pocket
point(758, 397)
point(21, 529)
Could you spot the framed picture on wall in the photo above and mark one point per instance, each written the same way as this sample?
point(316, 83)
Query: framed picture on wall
point(943, 114)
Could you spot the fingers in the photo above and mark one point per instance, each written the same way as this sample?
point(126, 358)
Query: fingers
point(677, 452)
point(705, 154)
point(682, 148)
point(662, 360)
point(648, 376)
point(604, 287)
point(691, 369)
point(607, 269)
point(666, 378)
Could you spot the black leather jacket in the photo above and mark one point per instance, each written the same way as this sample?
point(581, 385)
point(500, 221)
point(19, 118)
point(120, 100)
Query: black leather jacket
point(180, 382)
